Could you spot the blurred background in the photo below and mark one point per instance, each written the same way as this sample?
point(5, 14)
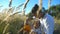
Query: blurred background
point(13, 14)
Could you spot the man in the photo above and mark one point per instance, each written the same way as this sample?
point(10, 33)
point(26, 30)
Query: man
point(47, 22)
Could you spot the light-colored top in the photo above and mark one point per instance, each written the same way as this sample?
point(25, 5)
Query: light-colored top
point(47, 24)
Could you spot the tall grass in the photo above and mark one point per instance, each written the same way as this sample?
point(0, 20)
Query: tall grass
point(11, 25)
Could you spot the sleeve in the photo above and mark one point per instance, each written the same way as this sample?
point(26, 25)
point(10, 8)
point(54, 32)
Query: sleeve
point(51, 25)
point(46, 26)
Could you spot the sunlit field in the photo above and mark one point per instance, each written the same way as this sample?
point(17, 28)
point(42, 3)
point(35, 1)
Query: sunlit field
point(16, 23)
point(12, 18)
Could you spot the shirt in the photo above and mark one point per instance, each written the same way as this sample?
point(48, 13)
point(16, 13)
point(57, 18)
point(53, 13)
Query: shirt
point(47, 24)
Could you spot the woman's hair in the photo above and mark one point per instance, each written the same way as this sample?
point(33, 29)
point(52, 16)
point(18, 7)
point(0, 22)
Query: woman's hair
point(35, 8)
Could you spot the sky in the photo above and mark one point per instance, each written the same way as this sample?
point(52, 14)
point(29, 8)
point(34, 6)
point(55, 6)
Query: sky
point(30, 4)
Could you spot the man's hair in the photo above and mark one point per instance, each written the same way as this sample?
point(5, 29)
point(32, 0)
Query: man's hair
point(42, 10)
point(35, 8)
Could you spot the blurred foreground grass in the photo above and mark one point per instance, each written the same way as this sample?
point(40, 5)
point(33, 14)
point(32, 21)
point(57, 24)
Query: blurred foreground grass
point(57, 26)
point(16, 22)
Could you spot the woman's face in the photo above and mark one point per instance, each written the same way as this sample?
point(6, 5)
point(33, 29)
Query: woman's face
point(40, 15)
